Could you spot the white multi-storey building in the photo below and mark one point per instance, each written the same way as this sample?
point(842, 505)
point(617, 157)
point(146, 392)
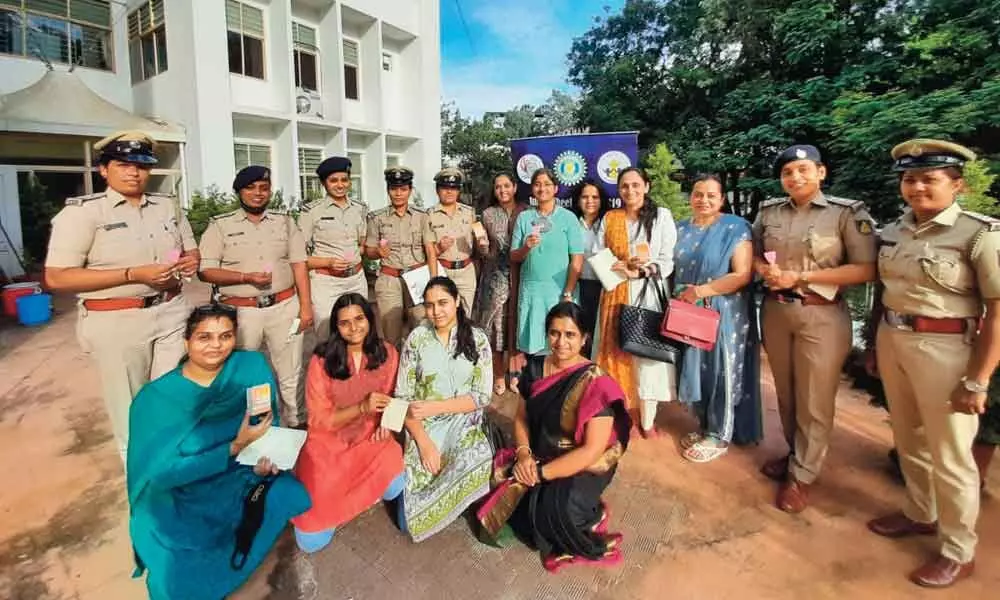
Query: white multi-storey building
point(284, 83)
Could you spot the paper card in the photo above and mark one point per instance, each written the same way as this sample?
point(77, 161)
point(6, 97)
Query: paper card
point(771, 257)
point(350, 255)
point(479, 230)
point(827, 290)
point(642, 250)
point(601, 262)
point(383, 242)
point(394, 415)
point(416, 280)
point(536, 229)
point(173, 256)
point(259, 399)
point(280, 444)
point(294, 329)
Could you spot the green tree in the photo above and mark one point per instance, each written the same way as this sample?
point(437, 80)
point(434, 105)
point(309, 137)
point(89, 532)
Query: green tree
point(207, 204)
point(978, 180)
point(661, 166)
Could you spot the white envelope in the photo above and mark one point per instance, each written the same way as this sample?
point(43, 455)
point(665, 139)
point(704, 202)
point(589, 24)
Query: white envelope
point(280, 444)
point(416, 280)
point(601, 263)
point(827, 290)
point(394, 415)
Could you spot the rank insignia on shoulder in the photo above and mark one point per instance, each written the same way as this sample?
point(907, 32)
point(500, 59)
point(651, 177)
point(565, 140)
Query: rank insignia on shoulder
point(865, 227)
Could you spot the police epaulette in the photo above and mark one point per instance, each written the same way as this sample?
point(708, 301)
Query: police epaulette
point(79, 200)
point(851, 204)
point(159, 194)
point(985, 219)
point(224, 215)
point(280, 213)
point(311, 205)
point(772, 202)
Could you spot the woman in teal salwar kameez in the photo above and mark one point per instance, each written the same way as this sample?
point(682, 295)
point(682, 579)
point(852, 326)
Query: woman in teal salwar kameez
point(185, 488)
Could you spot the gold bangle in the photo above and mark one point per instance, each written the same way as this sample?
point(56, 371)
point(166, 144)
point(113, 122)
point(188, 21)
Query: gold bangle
point(526, 447)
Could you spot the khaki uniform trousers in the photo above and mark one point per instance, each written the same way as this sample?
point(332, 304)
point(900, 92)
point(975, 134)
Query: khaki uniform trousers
point(132, 347)
point(465, 280)
point(326, 290)
point(919, 372)
point(397, 313)
point(806, 348)
point(270, 326)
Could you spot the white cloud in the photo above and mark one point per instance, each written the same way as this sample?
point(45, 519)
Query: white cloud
point(520, 60)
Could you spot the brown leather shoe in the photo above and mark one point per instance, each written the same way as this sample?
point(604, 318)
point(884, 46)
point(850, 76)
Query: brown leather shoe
point(793, 497)
point(776, 469)
point(941, 572)
point(898, 525)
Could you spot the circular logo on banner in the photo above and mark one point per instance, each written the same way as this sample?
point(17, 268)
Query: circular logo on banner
point(570, 167)
point(527, 165)
point(610, 164)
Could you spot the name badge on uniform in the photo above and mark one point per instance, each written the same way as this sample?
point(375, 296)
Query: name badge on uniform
point(235, 233)
point(259, 399)
point(111, 226)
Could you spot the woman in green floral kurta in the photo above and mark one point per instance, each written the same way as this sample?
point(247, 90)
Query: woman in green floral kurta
point(445, 373)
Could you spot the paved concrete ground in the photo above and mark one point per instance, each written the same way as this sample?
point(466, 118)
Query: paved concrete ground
point(691, 531)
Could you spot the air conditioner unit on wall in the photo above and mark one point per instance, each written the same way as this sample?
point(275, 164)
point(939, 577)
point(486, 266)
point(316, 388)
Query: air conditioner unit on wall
point(308, 103)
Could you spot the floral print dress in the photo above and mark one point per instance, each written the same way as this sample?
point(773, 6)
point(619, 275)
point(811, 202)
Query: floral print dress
point(429, 371)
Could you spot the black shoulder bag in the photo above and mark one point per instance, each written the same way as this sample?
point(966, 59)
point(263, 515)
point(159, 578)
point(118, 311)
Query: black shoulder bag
point(639, 328)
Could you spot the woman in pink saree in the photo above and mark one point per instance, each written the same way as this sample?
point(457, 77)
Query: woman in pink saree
point(570, 431)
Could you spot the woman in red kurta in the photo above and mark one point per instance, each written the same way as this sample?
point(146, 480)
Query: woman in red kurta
point(349, 462)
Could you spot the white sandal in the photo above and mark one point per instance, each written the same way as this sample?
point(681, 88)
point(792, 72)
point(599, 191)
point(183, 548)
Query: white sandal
point(691, 439)
point(701, 452)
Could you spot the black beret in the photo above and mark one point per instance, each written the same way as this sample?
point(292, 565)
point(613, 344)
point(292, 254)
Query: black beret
point(334, 164)
point(250, 175)
point(398, 176)
point(796, 152)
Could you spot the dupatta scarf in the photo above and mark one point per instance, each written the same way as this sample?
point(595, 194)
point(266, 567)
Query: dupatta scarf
point(610, 356)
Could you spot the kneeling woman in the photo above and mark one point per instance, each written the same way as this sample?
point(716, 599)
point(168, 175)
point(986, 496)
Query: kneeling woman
point(445, 373)
point(570, 433)
point(191, 523)
point(349, 462)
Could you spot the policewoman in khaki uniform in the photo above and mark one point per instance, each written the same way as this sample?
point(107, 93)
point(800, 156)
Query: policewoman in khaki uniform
point(939, 267)
point(124, 253)
point(809, 246)
point(257, 257)
point(334, 229)
point(396, 235)
point(449, 228)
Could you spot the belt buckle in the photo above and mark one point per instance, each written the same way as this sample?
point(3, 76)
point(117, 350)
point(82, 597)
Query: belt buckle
point(266, 300)
point(899, 321)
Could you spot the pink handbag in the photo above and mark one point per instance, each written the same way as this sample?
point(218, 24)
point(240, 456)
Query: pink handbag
point(690, 324)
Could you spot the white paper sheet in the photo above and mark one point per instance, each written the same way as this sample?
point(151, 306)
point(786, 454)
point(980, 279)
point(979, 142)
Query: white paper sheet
point(280, 444)
point(601, 263)
point(394, 415)
point(827, 290)
point(416, 280)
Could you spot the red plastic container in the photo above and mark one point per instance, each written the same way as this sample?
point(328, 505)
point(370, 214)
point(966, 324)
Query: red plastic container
point(14, 291)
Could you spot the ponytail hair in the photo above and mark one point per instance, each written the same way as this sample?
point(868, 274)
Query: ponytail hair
point(465, 338)
point(647, 214)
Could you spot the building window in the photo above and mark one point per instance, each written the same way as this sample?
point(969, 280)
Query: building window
point(251, 154)
point(356, 177)
point(64, 31)
point(386, 61)
point(351, 63)
point(305, 55)
point(310, 187)
point(245, 26)
point(147, 41)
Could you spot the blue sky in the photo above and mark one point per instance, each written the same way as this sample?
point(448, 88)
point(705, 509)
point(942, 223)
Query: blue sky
point(514, 52)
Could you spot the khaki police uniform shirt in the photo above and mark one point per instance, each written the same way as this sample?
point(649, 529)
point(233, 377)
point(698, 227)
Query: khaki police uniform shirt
point(233, 242)
point(334, 231)
point(943, 268)
point(105, 231)
point(458, 226)
point(826, 233)
point(406, 235)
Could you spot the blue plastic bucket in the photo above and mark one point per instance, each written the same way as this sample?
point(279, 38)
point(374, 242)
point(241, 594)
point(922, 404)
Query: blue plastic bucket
point(34, 309)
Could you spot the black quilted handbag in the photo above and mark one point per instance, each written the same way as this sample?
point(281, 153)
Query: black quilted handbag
point(639, 329)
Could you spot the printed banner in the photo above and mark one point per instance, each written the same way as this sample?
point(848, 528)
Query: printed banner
point(574, 158)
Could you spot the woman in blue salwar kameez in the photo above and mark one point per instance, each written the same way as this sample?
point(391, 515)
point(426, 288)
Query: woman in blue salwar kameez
point(712, 264)
point(186, 490)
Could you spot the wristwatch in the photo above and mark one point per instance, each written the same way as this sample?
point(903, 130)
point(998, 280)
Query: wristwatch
point(567, 296)
point(974, 386)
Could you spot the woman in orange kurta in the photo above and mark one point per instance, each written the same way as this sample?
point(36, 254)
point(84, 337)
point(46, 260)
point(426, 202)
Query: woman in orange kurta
point(349, 462)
